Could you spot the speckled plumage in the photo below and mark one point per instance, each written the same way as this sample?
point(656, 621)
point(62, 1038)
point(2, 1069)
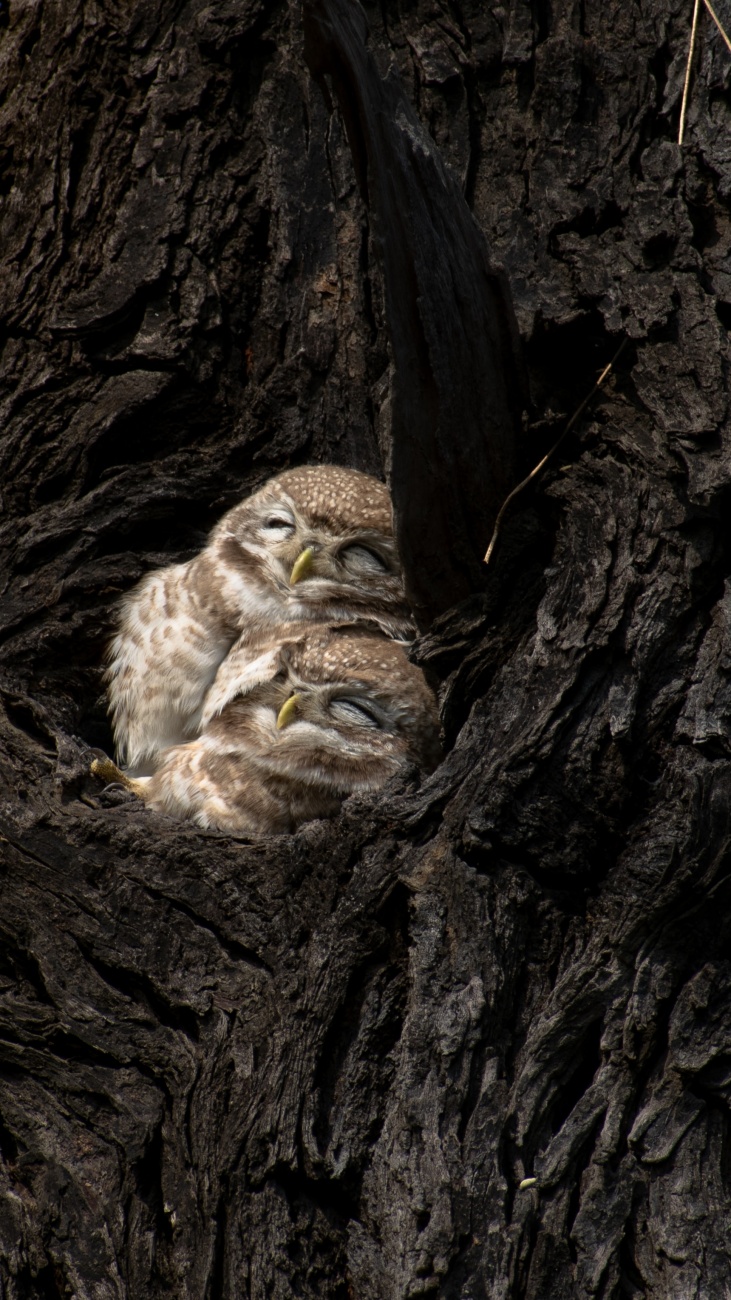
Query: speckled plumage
point(178, 625)
point(360, 712)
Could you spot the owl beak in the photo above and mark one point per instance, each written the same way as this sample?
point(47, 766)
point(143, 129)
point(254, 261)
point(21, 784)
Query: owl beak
point(302, 566)
point(288, 711)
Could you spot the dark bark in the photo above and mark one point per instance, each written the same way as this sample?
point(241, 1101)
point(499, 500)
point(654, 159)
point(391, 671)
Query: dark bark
point(456, 392)
point(321, 1065)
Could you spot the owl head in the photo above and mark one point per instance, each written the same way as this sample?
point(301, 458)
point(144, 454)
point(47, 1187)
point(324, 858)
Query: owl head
point(332, 710)
point(317, 542)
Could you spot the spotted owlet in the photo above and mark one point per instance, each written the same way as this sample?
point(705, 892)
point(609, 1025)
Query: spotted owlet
point(315, 543)
point(329, 712)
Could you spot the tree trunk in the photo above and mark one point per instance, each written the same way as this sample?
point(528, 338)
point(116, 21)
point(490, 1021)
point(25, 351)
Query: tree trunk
point(237, 236)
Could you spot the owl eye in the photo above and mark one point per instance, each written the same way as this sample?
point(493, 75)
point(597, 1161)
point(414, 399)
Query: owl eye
point(361, 559)
point(358, 714)
point(278, 524)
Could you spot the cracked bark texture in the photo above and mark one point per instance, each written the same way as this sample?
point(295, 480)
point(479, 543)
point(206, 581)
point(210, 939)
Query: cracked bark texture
point(321, 1065)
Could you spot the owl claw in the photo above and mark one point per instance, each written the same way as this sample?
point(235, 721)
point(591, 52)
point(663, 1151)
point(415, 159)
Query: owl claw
point(107, 771)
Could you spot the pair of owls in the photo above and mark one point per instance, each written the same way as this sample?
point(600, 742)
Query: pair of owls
point(258, 685)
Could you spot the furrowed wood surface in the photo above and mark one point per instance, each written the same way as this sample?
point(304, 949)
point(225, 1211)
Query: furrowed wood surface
point(321, 1065)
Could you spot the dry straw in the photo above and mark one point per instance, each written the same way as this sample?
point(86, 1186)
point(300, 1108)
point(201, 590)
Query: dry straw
point(691, 52)
point(537, 468)
point(607, 371)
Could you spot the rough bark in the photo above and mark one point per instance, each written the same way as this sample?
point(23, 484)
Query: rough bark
point(456, 392)
point(321, 1065)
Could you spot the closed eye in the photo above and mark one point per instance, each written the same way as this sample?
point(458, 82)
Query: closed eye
point(278, 524)
point(356, 714)
point(361, 559)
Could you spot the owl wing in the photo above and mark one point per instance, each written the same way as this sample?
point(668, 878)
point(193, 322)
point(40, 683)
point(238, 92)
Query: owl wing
point(161, 664)
point(238, 674)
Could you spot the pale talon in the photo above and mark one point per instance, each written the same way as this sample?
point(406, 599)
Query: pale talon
point(107, 771)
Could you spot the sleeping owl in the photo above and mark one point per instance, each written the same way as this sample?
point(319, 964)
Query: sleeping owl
point(328, 712)
point(315, 543)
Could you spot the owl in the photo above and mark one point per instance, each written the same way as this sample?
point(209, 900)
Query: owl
point(314, 544)
point(328, 712)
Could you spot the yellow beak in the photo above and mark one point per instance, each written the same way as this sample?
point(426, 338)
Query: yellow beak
point(287, 711)
point(302, 566)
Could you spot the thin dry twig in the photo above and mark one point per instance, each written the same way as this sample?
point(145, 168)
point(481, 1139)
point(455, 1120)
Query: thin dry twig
point(717, 21)
point(537, 468)
point(691, 50)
